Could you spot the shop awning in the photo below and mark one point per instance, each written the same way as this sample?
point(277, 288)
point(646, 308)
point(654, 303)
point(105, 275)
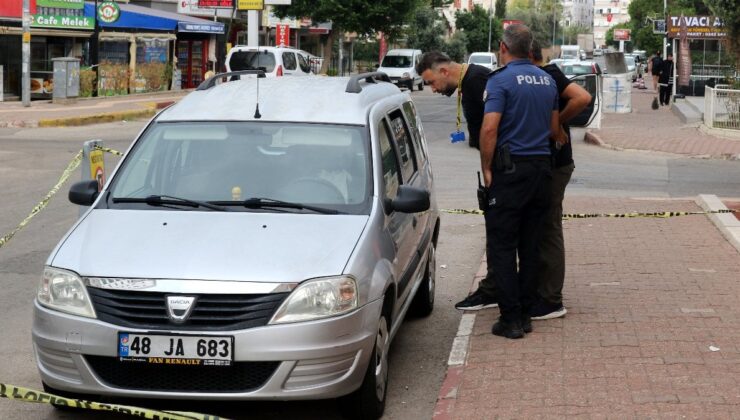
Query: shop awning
point(138, 17)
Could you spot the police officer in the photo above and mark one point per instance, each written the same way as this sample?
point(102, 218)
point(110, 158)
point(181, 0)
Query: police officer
point(521, 114)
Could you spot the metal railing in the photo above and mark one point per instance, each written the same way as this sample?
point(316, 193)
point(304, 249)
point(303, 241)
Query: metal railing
point(722, 107)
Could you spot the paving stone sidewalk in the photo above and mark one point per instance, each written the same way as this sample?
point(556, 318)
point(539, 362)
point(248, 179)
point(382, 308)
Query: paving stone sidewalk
point(662, 130)
point(652, 330)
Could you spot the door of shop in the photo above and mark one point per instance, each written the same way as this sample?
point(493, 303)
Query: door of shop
point(192, 61)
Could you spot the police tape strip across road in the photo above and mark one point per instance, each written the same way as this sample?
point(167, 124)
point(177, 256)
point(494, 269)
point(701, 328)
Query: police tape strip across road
point(30, 395)
point(78, 159)
point(660, 214)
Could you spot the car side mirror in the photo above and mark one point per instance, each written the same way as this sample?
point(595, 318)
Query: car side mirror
point(409, 200)
point(84, 193)
point(377, 65)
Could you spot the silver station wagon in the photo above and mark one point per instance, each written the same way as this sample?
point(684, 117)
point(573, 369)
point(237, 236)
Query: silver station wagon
point(248, 248)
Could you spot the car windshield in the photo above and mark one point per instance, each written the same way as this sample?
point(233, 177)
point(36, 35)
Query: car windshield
point(247, 60)
point(480, 59)
point(226, 163)
point(397, 61)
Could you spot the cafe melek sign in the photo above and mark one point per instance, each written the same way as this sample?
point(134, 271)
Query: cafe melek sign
point(63, 22)
point(697, 27)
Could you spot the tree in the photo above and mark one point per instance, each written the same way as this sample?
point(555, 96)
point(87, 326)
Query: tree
point(500, 9)
point(728, 11)
point(609, 36)
point(455, 47)
point(364, 17)
point(425, 32)
point(541, 17)
point(475, 26)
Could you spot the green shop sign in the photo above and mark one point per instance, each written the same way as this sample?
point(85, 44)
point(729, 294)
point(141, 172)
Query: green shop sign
point(62, 4)
point(63, 22)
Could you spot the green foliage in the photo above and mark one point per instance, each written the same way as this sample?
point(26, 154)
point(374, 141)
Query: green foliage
point(500, 9)
point(366, 49)
point(360, 16)
point(539, 24)
point(570, 33)
point(440, 3)
point(474, 25)
point(455, 47)
point(87, 82)
point(730, 14)
point(425, 32)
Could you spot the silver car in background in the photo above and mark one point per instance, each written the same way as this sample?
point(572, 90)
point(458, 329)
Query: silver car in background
point(240, 252)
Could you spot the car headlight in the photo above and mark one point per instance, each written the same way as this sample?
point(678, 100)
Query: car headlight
point(316, 299)
point(406, 75)
point(64, 291)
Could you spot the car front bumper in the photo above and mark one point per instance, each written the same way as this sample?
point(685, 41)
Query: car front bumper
point(307, 360)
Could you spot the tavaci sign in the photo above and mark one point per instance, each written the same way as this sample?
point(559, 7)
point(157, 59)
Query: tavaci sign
point(697, 27)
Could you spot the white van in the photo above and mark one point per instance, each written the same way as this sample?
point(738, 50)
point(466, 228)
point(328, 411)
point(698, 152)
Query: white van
point(275, 61)
point(485, 59)
point(570, 52)
point(400, 66)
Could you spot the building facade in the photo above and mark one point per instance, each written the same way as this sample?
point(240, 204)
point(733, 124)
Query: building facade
point(608, 13)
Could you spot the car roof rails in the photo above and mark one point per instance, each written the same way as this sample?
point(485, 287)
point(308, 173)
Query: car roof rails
point(211, 82)
point(353, 85)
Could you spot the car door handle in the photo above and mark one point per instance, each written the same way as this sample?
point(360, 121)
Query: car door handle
point(414, 221)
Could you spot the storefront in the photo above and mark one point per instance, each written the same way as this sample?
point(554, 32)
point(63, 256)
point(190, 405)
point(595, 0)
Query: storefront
point(58, 29)
point(148, 50)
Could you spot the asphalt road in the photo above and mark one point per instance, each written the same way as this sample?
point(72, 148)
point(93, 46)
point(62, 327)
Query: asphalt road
point(31, 161)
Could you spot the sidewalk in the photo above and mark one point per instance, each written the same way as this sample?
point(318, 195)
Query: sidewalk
point(652, 330)
point(668, 133)
point(85, 110)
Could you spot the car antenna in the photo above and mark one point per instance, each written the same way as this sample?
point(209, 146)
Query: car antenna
point(257, 114)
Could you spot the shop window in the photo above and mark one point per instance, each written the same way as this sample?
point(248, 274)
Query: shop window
point(152, 71)
point(114, 68)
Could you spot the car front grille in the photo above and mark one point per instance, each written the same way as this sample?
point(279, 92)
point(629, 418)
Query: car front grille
point(239, 377)
point(148, 310)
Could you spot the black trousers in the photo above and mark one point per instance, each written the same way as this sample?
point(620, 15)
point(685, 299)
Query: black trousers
point(520, 201)
point(665, 94)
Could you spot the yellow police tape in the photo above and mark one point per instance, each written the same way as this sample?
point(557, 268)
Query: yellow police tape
point(30, 395)
point(45, 201)
point(662, 214)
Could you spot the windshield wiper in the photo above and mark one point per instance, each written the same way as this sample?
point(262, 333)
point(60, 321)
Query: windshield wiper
point(259, 203)
point(158, 200)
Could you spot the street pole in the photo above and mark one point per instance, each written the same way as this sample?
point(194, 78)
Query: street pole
point(553, 30)
point(94, 48)
point(26, 55)
point(665, 36)
point(490, 24)
point(253, 28)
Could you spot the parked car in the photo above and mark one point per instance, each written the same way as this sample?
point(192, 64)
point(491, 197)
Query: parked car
point(275, 61)
point(629, 61)
point(400, 66)
point(484, 59)
point(245, 253)
point(598, 52)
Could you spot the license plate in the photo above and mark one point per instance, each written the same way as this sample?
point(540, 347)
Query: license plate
point(198, 350)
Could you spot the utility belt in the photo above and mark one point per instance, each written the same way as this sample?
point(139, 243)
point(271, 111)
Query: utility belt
point(504, 161)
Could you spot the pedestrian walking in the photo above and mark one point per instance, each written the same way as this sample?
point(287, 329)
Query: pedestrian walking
point(573, 99)
point(445, 76)
point(469, 80)
point(666, 80)
point(521, 114)
point(655, 62)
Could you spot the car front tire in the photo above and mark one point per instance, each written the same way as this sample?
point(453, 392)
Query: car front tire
point(368, 402)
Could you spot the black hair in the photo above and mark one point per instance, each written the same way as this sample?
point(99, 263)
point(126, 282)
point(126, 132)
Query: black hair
point(431, 60)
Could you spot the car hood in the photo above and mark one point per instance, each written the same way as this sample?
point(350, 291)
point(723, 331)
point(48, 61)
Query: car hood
point(396, 71)
point(236, 246)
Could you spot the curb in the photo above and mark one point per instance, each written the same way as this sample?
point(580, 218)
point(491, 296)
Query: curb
point(595, 139)
point(727, 223)
point(444, 408)
point(150, 109)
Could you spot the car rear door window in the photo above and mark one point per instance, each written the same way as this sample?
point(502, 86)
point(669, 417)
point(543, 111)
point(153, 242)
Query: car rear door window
point(415, 127)
point(402, 137)
point(391, 174)
point(303, 63)
point(289, 61)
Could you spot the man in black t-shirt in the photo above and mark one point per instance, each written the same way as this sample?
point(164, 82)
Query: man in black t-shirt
point(551, 273)
point(655, 63)
point(445, 75)
point(665, 79)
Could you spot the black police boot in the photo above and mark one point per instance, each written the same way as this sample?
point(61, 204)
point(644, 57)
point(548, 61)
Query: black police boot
point(527, 324)
point(508, 329)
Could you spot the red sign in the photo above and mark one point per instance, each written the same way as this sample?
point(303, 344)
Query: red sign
point(608, 17)
point(506, 23)
point(282, 35)
point(622, 34)
point(14, 9)
point(221, 4)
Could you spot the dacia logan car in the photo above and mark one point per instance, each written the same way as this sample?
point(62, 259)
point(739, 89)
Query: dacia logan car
point(248, 248)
